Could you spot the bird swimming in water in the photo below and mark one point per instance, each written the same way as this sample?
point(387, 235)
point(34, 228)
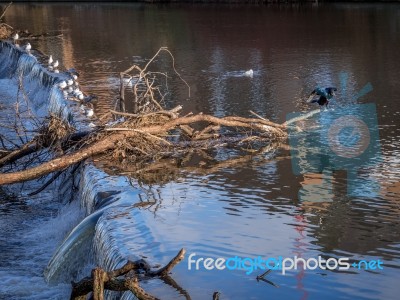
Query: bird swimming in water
point(325, 94)
point(28, 47)
point(249, 73)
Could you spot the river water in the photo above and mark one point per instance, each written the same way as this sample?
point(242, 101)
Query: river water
point(288, 202)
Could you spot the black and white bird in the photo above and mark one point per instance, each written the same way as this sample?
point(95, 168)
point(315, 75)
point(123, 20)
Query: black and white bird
point(55, 65)
point(50, 61)
point(322, 96)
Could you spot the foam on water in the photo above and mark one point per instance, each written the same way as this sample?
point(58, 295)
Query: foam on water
point(98, 199)
point(33, 226)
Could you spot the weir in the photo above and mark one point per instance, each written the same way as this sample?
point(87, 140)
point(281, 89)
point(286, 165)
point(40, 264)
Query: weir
point(96, 239)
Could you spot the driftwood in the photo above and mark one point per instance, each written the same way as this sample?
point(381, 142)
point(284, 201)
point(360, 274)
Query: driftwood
point(123, 132)
point(101, 280)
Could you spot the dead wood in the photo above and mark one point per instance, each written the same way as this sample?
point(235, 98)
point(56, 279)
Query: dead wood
point(155, 133)
point(101, 280)
point(149, 134)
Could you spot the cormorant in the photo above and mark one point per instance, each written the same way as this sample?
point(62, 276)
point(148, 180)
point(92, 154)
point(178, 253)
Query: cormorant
point(325, 94)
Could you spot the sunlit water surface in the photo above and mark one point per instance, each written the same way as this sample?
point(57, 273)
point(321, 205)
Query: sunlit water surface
point(262, 207)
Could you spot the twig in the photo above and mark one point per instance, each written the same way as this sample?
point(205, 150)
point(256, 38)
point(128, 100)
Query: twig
point(101, 280)
point(54, 177)
point(140, 131)
point(302, 117)
point(5, 10)
point(165, 270)
point(258, 116)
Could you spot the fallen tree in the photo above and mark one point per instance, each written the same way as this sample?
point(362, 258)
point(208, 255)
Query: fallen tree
point(150, 133)
point(148, 138)
point(112, 137)
point(101, 280)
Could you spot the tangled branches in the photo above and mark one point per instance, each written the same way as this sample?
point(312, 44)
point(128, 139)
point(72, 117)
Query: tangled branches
point(101, 279)
point(148, 135)
point(144, 86)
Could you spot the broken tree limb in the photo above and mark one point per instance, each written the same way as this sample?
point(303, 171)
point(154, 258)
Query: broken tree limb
point(111, 142)
point(302, 117)
point(60, 163)
point(18, 153)
point(101, 280)
point(33, 146)
point(168, 267)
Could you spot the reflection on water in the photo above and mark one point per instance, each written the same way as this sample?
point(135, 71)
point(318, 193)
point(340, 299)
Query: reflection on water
point(265, 209)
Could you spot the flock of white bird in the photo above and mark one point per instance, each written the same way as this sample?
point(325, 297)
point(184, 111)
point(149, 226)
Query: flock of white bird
point(69, 87)
point(71, 91)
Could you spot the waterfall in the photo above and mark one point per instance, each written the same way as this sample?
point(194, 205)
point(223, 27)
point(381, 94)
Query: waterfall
point(114, 229)
point(102, 196)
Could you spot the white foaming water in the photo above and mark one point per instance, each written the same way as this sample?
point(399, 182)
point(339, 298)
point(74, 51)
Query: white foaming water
point(32, 240)
point(32, 227)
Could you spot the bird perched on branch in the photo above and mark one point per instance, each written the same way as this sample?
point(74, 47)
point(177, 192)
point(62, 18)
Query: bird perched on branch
point(325, 94)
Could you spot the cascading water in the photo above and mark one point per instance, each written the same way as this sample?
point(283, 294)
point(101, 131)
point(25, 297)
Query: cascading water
point(101, 227)
point(101, 196)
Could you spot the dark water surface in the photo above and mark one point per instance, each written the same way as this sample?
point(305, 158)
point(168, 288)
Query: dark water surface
point(264, 207)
